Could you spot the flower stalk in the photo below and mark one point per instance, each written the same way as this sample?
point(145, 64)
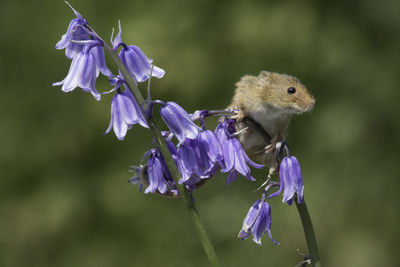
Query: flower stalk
point(186, 197)
point(309, 233)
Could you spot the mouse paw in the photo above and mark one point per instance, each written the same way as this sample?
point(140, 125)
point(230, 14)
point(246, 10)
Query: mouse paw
point(238, 116)
point(273, 145)
point(269, 148)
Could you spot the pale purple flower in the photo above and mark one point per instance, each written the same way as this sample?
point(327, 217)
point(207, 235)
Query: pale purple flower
point(138, 64)
point(190, 180)
point(179, 122)
point(87, 54)
point(257, 222)
point(209, 151)
point(194, 164)
point(159, 179)
point(222, 131)
point(210, 144)
point(199, 158)
point(155, 175)
point(75, 31)
point(235, 158)
point(291, 180)
point(82, 73)
point(187, 161)
point(125, 112)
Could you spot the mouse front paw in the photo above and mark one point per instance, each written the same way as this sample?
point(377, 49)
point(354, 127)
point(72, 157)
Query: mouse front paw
point(238, 116)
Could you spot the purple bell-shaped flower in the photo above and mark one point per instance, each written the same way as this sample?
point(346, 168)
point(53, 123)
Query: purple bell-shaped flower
point(235, 158)
point(125, 112)
point(82, 73)
point(138, 64)
point(257, 222)
point(76, 32)
point(179, 122)
point(291, 180)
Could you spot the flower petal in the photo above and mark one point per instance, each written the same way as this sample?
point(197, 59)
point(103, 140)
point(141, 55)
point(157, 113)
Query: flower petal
point(110, 125)
point(251, 216)
point(179, 122)
point(100, 61)
point(232, 176)
point(261, 223)
point(153, 170)
point(229, 155)
point(157, 72)
point(119, 125)
point(118, 40)
point(126, 108)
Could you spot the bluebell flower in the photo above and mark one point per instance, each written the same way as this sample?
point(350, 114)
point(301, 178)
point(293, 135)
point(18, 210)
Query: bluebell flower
point(222, 132)
point(125, 112)
point(159, 177)
point(235, 158)
point(291, 180)
point(210, 145)
point(75, 31)
point(257, 222)
point(209, 151)
point(87, 53)
point(137, 63)
point(193, 164)
point(156, 174)
point(179, 122)
point(197, 159)
point(82, 73)
point(180, 156)
point(187, 161)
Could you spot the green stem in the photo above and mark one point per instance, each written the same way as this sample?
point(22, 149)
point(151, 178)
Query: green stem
point(309, 233)
point(186, 197)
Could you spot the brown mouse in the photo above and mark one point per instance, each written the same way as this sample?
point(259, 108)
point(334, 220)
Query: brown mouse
point(266, 103)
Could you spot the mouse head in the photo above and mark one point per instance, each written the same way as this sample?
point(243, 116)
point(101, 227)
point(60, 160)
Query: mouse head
point(284, 92)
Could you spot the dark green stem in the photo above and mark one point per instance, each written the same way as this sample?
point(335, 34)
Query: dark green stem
point(185, 195)
point(309, 233)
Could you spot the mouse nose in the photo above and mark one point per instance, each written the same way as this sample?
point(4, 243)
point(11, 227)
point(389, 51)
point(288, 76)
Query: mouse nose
point(311, 104)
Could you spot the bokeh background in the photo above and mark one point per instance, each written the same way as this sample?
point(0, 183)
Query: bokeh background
point(64, 195)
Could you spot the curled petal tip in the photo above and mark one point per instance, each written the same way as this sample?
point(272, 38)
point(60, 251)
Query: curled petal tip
point(117, 40)
point(57, 83)
point(77, 14)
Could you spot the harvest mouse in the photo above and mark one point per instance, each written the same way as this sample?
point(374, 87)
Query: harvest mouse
point(265, 105)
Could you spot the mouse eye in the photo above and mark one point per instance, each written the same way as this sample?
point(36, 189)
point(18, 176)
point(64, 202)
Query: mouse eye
point(291, 90)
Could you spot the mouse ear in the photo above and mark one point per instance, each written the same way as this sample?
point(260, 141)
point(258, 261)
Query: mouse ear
point(264, 78)
point(265, 73)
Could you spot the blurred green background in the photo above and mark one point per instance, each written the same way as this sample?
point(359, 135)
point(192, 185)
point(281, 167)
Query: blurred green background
point(64, 195)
